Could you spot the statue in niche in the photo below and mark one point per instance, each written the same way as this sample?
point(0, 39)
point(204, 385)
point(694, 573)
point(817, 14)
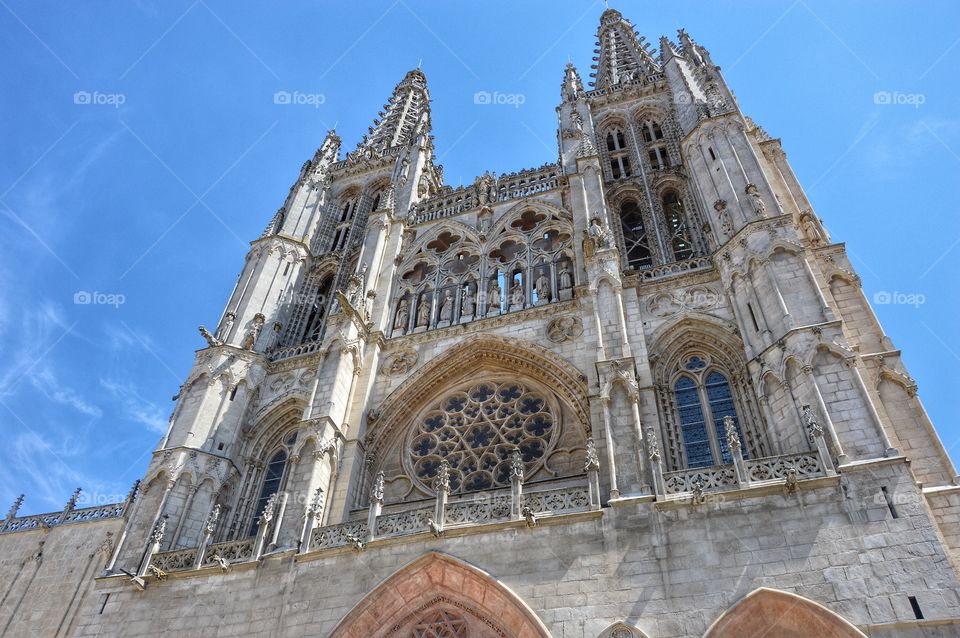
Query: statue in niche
point(250, 338)
point(467, 304)
point(446, 306)
point(403, 315)
point(565, 279)
point(493, 296)
point(423, 312)
point(759, 207)
point(226, 326)
point(516, 296)
point(811, 229)
point(542, 285)
point(599, 234)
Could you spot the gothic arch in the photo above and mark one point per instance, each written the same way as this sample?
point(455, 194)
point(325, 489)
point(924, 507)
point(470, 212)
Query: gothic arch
point(780, 614)
point(621, 630)
point(439, 583)
point(417, 408)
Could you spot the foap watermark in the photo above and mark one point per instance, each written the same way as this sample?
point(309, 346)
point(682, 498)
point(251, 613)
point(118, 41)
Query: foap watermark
point(296, 98)
point(95, 298)
point(496, 98)
point(897, 298)
point(896, 98)
point(96, 98)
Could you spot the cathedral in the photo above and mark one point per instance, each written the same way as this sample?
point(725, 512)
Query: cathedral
point(635, 392)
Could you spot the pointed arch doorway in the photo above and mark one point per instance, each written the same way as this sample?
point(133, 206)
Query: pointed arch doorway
point(772, 613)
point(439, 596)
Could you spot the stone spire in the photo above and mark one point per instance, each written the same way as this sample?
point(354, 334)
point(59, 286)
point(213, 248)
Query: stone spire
point(621, 56)
point(693, 51)
point(572, 87)
point(405, 117)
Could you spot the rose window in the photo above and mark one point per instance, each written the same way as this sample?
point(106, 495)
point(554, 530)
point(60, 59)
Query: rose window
point(476, 431)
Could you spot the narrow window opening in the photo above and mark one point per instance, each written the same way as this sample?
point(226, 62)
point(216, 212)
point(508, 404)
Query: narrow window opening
point(220, 446)
point(713, 155)
point(753, 318)
point(233, 392)
point(916, 607)
point(286, 268)
point(106, 597)
point(889, 500)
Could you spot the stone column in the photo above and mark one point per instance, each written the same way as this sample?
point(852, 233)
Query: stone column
point(888, 449)
point(516, 485)
point(656, 469)
point(787, 319)
point(736, 451)
point(828, 314)
point(592, 467)
point(263, 526)
point(442, 487)
point(187, 503)
point(831, 430)
point(310, 520)
point(816, 433)
point(208, 528)
point(153, 546)
point(608, 434)
point(376, 506)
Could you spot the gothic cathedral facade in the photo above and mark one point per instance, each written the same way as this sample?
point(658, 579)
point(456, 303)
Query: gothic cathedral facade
point(637, 391)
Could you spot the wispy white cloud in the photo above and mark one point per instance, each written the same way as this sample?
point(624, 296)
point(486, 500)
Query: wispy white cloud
point(135, 406)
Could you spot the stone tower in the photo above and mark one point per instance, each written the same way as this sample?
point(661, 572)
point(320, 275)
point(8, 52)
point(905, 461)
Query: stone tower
point(634, 392)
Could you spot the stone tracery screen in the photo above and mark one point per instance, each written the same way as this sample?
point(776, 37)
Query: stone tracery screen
point(476, 429)
point(440, 624)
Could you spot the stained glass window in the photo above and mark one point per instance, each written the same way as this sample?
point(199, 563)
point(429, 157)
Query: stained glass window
point(476, 431)
point(692, 426)
point(271, 485)
point(721, 405)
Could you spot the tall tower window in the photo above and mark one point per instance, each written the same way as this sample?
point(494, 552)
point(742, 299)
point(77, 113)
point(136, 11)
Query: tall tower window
point(703, 401)
point(656, 145)
point(619, 154)
point(272, 480)
point(347, 212)
point(675, 216)
point(635, 240)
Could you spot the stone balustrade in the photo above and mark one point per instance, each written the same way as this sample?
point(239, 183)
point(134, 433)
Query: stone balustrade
point(77, 515)
point(719, 478)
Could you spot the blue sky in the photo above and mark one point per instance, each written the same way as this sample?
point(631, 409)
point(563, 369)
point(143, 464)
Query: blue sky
point(143, 149)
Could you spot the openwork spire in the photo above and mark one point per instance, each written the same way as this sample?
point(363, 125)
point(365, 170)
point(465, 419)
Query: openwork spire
point(405, 117)
point(621, 56)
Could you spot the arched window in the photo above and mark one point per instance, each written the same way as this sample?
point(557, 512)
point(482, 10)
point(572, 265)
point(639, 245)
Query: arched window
point(272, 482)
point(703, 399)
point(656, 145)
point(619, 154)
point(347, 211)
point(635, 240)
point(675, 217)
point(318, 309)
point(376, 202)
point(440, 624)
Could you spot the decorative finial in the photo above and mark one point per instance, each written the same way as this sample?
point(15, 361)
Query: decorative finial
point(15, 507)
point(72, 503)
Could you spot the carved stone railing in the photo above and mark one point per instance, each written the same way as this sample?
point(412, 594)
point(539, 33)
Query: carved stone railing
point(295, 351)
point(528, 182)
point(342, 535)
point(805, 464)
point(717, 478)
point(78, 515)
point(403, 523)
point(450, 202)
point(573, 499)
point(236, 551)
point(677, 268)
point(650, 78)
point(174, 560)
point(484, 510)
point(712, 478)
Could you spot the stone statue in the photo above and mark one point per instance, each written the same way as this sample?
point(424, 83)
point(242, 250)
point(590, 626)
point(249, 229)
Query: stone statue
point(811, 229)
point(226, 326)
point(423, 311)
point(542, 285)
point(446, 306)
point(486, 189)
point(516, 296)
point(759, 207)
point(493, 296)
point(250, 338)
point(467, 304)
point(565, 279)
point(403, 315)
point(599, 234)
